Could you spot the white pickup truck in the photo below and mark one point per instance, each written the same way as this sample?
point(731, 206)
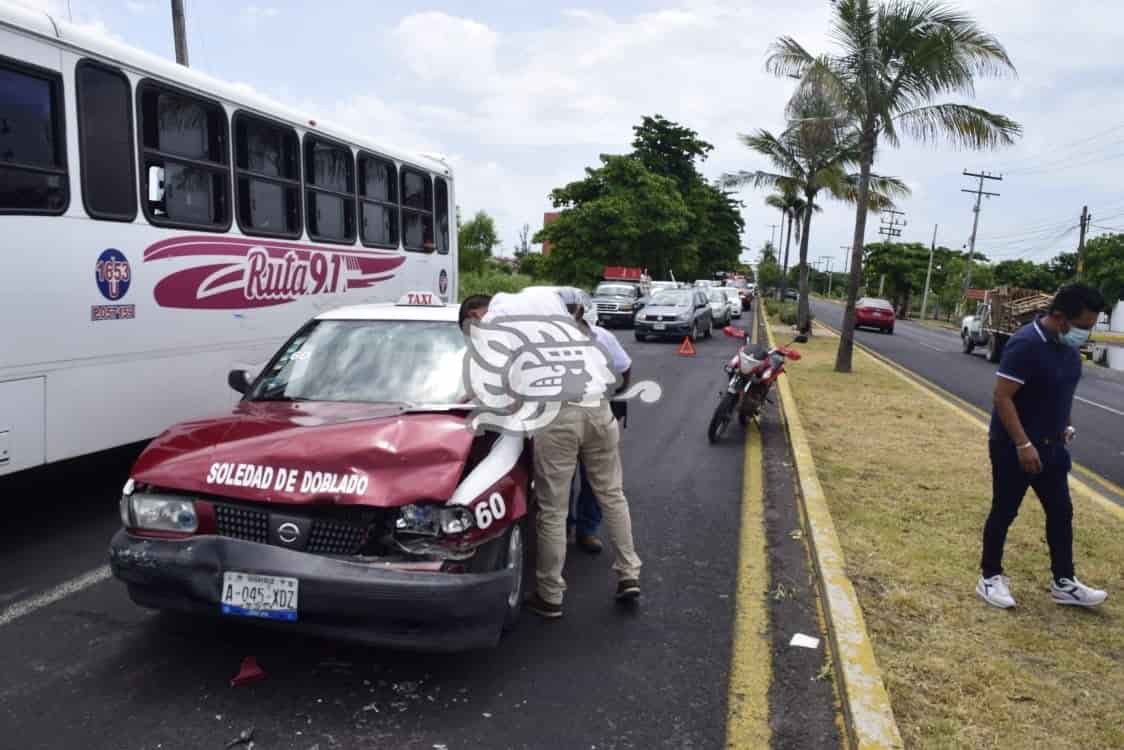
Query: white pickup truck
point(1003, 311)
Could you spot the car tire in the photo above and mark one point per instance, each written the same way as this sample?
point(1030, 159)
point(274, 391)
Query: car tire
point(995, 344)
point(890, 331)
point(693, 335)
point(509, 550)
point(709, 330)
point(966, 343)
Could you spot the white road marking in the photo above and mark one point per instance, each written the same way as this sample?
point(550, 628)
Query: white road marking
point(63, 590)
point(1099, 406)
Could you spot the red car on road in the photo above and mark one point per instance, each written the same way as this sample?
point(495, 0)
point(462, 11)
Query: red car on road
point(344, 495)
point(875, 313)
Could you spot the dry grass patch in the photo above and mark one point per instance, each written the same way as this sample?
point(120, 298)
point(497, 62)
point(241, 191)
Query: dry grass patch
point(909, 486)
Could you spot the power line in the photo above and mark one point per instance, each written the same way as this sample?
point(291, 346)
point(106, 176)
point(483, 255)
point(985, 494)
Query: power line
point(980, 193)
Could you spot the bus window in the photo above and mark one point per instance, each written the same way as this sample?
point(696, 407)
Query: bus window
point(378, 201)
point(105, 128)
point(32, 144)
point(329, 173)
point(441, 211)
point(417, 211)
point(267, 177)
point(186, 172)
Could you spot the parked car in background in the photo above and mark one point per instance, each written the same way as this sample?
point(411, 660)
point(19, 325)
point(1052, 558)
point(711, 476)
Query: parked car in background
point(675, 313)
point(872, 312)
point(617, 303)
point(734, 297)
point(791, 294)
point(719, 306)
point(661, 285)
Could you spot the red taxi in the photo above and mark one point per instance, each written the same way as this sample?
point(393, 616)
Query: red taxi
point(343, 495)
point(875, 313)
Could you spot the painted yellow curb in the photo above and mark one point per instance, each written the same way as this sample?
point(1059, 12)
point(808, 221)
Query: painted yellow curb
point(751, 663)
point(868, 716)
point(979, 418)
point(747, 705)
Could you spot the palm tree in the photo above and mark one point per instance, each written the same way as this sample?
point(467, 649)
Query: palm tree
point(813, 154)
point(791, 206)
point(893, 62)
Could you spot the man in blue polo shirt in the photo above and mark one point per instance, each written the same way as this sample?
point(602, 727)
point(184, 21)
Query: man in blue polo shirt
point(1029, 438)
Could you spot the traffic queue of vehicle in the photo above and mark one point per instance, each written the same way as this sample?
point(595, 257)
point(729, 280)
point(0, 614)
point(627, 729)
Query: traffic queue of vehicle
point(343, 495)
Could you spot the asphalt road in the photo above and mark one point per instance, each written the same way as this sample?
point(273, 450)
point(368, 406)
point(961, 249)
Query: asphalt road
point(935, 354)
point(92, 670)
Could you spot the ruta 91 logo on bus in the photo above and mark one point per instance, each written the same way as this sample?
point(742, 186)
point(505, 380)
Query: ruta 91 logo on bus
point(256, 273)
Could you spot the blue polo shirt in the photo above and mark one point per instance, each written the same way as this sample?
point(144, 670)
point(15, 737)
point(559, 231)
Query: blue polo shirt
point(1048, 372)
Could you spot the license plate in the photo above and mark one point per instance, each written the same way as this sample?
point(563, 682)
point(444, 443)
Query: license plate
point(253, 595)
point(659, 327)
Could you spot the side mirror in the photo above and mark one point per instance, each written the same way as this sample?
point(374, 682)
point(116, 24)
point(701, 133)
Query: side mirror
point(239, 380)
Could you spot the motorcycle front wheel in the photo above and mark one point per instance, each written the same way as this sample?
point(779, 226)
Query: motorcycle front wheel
point(721, 418)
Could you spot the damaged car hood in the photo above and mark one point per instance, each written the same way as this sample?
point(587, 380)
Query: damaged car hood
point(299, 453)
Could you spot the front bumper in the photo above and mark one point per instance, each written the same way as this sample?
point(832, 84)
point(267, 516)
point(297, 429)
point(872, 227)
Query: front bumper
point(614, 317)
point(366, 602)
point(674, 329)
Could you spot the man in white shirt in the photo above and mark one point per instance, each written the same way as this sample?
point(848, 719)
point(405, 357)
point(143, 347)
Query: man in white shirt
point(590, 433)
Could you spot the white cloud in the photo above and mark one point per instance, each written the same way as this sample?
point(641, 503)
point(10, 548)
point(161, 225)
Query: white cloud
point(527, 109)
point(252, 15)
point(137, 7)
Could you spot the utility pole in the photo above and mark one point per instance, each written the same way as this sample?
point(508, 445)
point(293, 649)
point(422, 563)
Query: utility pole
point(1086, 217)
point(929, 273)
point(827, 260)
point(846, 257)
point(889, 230)
point(980, 193)
point(179, 31)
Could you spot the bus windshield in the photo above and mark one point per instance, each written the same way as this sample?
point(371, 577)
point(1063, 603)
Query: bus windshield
point(370, 361)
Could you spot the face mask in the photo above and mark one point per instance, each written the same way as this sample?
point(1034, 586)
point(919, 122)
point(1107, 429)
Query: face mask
point(1075, 337)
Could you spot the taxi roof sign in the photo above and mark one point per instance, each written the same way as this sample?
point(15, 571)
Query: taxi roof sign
point(420, 299)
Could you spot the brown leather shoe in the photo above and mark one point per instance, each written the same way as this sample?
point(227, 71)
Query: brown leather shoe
point(590, 544)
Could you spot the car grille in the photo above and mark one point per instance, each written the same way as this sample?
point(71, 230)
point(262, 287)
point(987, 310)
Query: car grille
point(335, 537)
point(242, 523)
point(660, 318)
point(326, 536)
point(607, 306)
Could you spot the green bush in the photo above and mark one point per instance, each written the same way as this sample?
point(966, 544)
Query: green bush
point(490, 281)
point(786, 313)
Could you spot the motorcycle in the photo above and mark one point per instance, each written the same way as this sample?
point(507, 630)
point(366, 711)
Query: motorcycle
point(752, 372)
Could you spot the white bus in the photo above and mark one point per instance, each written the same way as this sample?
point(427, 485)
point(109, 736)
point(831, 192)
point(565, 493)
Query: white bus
point(160, 228)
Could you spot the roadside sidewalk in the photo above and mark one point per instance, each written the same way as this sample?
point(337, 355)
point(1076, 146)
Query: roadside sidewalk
point(907, 481)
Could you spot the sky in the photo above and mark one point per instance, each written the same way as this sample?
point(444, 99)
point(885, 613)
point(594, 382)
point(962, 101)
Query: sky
point(522, 97)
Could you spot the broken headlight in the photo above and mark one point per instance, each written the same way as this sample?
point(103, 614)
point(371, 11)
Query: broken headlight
point(433, 520)
point(163, 513)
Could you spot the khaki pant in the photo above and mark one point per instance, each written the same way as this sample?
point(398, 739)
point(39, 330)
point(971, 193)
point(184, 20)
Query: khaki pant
point(594, 435)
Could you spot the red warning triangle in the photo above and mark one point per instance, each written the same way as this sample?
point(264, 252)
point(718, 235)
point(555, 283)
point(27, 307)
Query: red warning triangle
point(686, 349)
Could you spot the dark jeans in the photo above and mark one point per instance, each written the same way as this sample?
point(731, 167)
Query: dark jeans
point(1009, 484)
point(585, 513)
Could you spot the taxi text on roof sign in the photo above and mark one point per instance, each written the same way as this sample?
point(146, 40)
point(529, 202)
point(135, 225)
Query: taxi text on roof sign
point(420, 299)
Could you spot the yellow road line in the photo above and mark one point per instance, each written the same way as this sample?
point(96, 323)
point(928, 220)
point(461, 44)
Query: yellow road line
point(747, 719)
point(979, 418)
point(869, 718)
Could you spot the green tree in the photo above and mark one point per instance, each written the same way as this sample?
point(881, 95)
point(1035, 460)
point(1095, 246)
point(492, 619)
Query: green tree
point(812, 155)
point(478, 234)
point(621, 213)
point(672, 150)
point(904, 265)
point(1104, 265)
point(533, 265)
point(893, 62)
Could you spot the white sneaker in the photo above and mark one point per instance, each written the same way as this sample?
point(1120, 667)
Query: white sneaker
point(1072, 591)
point(994, 591)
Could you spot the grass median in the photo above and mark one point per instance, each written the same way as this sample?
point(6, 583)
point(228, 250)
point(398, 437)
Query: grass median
point(909, 485)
